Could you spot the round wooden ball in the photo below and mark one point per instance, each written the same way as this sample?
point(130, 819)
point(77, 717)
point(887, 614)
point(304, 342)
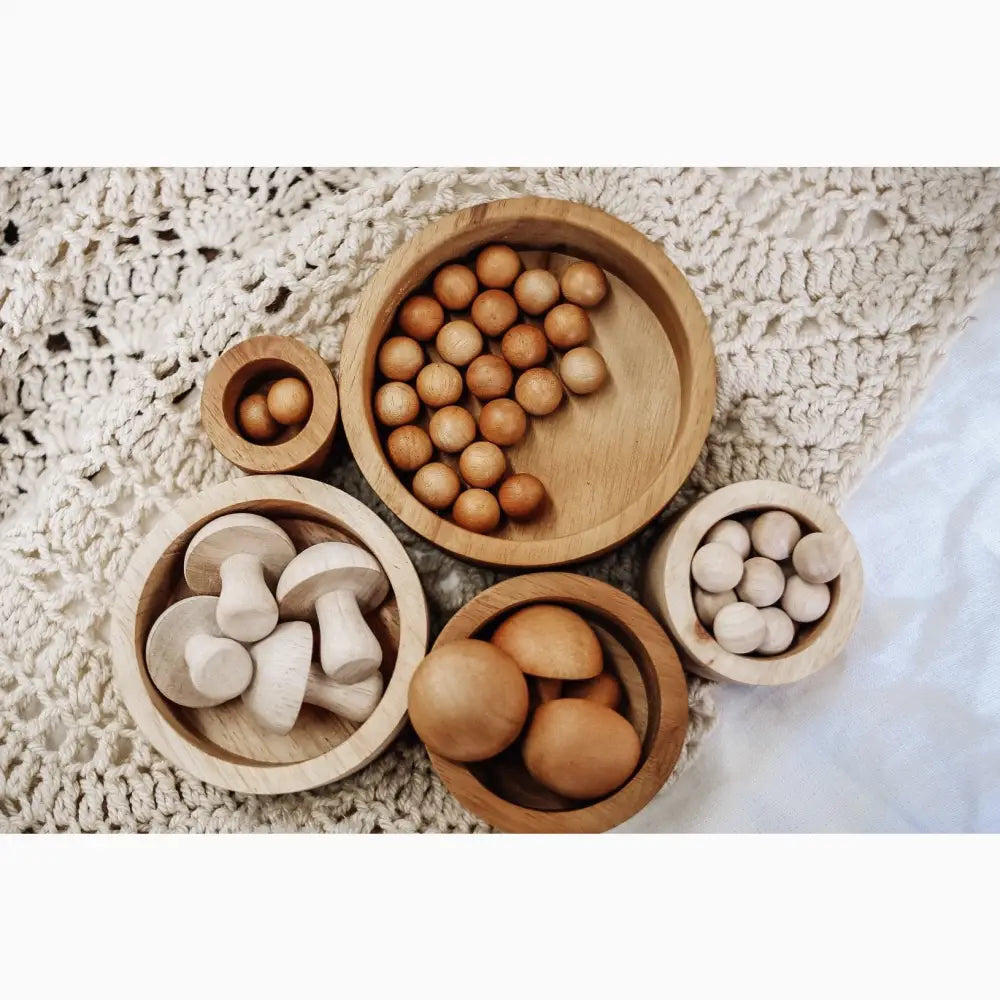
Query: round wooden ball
point(584, 284)
point(503, 422)
point(452, 429)
point(458, 342)
point(289, 401)
point(524, 346)
point(494, 311)
point(538, 391)
point(739, 628)
point(774, 534)
point(489, 377)
point(567, 326)
point(521, 496)
point(409, 447)
point(400, 358)
point(818, 558)
point(420, 317)
point(497, 266)
point(396, 404)
point(731, 533)
point(482, 464)
point(476, 510)
point(762, 583)
point(707, 605)
point(716, 567)
point(455, 286)
point(805, 602)
point(536, 291)
point(779, 632)
point(439, 384)
point(583, 370)
point(255, 418)
point(436, 485)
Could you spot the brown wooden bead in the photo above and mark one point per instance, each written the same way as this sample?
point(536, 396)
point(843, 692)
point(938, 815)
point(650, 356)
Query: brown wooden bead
point(497, 266)
point(584, 284)
point(255, 419)
point(439, 384)
point(396, 404)
point(521, 496)
point(503, 422)
point(482, 464)
point(400, 358)
point(476, 510)
point(420, 317)
point(455, 286)
point(494, 311)
point(489, 377)
point(567, 326)
point(409, 447)
point(436, 485)
point(452, 429)
point(538, 391)
point(524, 346)
point(536, 291)
point(289, 401)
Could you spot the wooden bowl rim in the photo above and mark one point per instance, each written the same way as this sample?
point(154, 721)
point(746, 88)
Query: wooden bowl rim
point(665, 736)
point(693, 424)
point(168, 538)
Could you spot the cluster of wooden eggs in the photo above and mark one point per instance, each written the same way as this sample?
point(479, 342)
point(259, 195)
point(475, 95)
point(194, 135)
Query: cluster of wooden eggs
point(275, 410)
point(249, 631)
point(755, 603)
point(479, 304)
point(540, 680)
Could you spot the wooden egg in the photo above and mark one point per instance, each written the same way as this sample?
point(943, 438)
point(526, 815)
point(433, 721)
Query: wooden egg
point(439, 384)
point(468, 700)
point(707, 605)
point(538, 391)
point(739, 628)
point(420, 317)
point(579, 748)
point(476, 510)
point(779, 632)
point(583, 370)
point(489, 377)
point(521, 496)
point(818, 558)
point(605, 689)
point(482, 464)
point(716, 567)
point(396, 404)
point(774, 534)
point(436, 485)
point(762, 583)
point(536, 291)
point(455, 286)
point(494, 311)
point(400, 358)
point(458, 342)
point(497, 266)
point(803, 601)
point(567, 326)
point(548, 640)
point(524, 346)
point(289, 401)
point(452, 429)
point(733, 534)
point(503, 422)
point(255, 418)
point(409, 447)
point(584, 284)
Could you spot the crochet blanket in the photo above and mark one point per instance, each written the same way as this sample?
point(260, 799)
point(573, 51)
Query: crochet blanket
point(831, 295)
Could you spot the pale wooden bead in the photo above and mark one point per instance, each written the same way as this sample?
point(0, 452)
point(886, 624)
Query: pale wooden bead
point(716, 567)
point(733, 534)
point(779, 632)
point(739, 628)
point(805, 602)
point(818, 558)
point(458, 342)
point(762, 582)
point(774, 534)
point(708, 605)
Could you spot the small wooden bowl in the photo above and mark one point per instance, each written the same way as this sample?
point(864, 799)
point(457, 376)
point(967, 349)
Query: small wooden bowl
point(667, 587)
point(249, 364)
point(635, 647)
point(222, 745)
point(610, 461)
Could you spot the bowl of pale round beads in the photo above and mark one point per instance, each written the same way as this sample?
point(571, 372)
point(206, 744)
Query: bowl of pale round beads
point(759, 583)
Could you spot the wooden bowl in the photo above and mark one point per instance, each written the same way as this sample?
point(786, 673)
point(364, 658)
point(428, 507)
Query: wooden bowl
point(244, 367)
point(222, 745)
point(610, 461)
point(667, 587)
point(500, 790)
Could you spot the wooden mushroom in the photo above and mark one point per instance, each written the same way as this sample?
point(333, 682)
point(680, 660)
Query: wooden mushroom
point(336, 584)
point(239, 557)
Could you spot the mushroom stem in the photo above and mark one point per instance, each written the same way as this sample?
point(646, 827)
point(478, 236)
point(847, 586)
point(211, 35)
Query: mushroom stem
point(348, 649)
point(220, 668)
point(354, 702)
point(247, 610)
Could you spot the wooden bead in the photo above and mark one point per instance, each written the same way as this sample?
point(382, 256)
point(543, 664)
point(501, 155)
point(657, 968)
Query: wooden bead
point(494, 311)
point(538, 391)
point(255, 418)
point(452, 429)
point(583, 370)
point(567, 326)
point(818, 558)
point(439, 384)
point(524, 346)
point(458, 342)
point(489, 377)
point(716, 567)
point(289, 401)
point(521, 496)
point(455, 286)
point(503, 422)
point(805, 602)
point(476, 510)
point(421, 317)
point(584, 284)
point(536, 291)
point(482, 464)
point(739, 628)
point(733, 534)
point(396, 404)
point(774, 534)
point(497, 266)
point(707, 605)
point(400, 358)
point(779, 632)
point(762, 583)
point(436, 485)
point(409, 447)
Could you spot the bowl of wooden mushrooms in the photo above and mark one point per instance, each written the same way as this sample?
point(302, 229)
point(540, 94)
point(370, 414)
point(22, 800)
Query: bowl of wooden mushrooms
point(265, 633)
point(527, 382)
point(759, 583)
point(551, 703)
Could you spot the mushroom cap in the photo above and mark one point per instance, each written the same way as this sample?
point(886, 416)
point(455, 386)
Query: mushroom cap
point(324, 568)
point(230, 535)
point(280, 672)
point(165, 661)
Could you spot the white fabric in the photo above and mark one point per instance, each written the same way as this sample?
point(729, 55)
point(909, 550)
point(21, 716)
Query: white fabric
point(903, 733)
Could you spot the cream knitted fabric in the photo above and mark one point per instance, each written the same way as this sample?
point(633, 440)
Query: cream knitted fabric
point(831, 294)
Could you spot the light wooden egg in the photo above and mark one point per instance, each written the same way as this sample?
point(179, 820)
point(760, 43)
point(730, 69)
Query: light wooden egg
point(583, 370)
point(707, 605)
point(439, 384)
point(548, 640)
point(762, 583)
point(255, 418)
point(524, 346)
point(482, 464)
point(716, 567)
point(420, 317)
point(452, 429)
point(805, 602)
point(503, 422)
point(489, 377)
point(497, 266)
point(521, 496)
point(779, 632)
point(396, 404)
point(467, 700)
point(476, 510)
point(455, 286)
point(289, 401)
point(536, 291)
point(584, 284)
point(458, 342)
point(538, 391)
point(739, 627)
point(567, 326)
point(818, 558)
point(409, 447)
point(436, 485)
point(400, 358)
point(774, 534)
point(605, 689)
point(731, 533)
point(580, 748)
point(494, 311)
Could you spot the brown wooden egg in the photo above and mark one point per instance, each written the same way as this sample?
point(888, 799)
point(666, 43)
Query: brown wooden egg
point(548, 640)
point(605, 689)
point(580, 748)
point(583, 370)
point(584, 284)
point(497, 266)
point(439, 384)
point(489, 377)
point(536, 291)
point(476, 510)
point(400, 358)
point(289, 401)
point(396, 404)
point(455, 286)
point(493, 312)
point(436, 485)
point(567, 326)
point(420, 317)
point(468, 700)
point(255, 418)
point(521, 496)
point(482, 464)
point(452, 429)
point(409, 447)
point(458, 342)
point(503, 422)
point(538, 391)
point(524, 346)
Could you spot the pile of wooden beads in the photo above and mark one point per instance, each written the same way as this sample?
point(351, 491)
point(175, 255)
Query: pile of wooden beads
point(275, 410)
point(477, 334)
point(756, 581)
